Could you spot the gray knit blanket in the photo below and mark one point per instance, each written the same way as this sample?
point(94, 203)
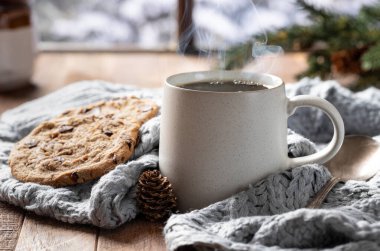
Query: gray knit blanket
point(269, 215)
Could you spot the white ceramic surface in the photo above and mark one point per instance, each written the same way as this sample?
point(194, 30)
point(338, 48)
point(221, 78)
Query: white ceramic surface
point(214, 144)
point(16, 58)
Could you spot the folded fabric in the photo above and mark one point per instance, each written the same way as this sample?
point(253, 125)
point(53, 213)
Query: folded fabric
point(107, 202)
point(360, 111)
point(267, 215)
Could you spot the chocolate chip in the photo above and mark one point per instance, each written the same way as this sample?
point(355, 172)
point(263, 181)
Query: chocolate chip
point(32, 143)
point(129, 143)
point(66, 128)
point(65, 151)
point(114, 159)
point(74, 176)
point(107, 132)
point(86, 110)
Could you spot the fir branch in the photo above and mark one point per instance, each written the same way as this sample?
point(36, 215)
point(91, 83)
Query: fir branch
point(314, 14)
point(371, 59)
point(237, 57)
point(337, 32)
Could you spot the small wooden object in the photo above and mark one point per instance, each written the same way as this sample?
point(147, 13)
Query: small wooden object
point(155, 196)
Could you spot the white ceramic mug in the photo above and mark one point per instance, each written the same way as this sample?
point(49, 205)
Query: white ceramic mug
point(214, 144)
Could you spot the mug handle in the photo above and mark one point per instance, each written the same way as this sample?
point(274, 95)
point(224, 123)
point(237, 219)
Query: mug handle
point(332, 148)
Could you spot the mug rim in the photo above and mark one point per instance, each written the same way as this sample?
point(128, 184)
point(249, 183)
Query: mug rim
point(278, 82)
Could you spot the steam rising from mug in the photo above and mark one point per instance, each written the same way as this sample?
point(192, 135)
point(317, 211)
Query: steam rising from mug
point(220, 26)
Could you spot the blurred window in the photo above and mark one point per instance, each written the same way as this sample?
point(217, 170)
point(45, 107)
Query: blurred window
point(153, 24)
point(111, 24)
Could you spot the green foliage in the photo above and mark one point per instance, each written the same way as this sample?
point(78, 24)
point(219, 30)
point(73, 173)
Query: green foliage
point(237, 57)
point(329, 33)
point(343, 31)
point(371, 59)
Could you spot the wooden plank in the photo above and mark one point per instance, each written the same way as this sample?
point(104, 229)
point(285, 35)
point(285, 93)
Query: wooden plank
point(39, 233)
point(141, 69)
point(137, 235)
point(11, 219)
point(55, 70)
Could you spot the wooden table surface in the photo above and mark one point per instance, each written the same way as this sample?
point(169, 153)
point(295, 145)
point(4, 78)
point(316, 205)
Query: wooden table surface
point(22, 230)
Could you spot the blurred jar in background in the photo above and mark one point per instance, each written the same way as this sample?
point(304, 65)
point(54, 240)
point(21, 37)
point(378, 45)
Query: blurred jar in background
point(16, 44)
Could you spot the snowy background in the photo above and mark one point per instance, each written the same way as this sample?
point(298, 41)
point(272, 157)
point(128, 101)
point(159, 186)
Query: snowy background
point(152, 24)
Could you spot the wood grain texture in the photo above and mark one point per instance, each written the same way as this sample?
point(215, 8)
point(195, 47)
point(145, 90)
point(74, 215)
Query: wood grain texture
point(55, 70)
point(138, 234)
point(11, 219)
point(39, 233)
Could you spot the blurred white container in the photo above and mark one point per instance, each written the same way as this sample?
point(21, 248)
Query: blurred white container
point(16, 45)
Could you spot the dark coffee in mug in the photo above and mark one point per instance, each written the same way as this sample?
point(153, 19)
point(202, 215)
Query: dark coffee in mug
point(224, 86)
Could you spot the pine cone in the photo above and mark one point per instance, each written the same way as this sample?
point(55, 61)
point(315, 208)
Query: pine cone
point(155, 196)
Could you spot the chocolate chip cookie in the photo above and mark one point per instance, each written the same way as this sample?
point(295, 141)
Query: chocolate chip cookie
point(81, 144)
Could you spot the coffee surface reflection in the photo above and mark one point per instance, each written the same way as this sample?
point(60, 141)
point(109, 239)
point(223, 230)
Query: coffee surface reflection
point(224, 86)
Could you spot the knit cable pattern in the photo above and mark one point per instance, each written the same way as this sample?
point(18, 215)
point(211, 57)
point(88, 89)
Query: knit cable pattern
point(269, 215)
